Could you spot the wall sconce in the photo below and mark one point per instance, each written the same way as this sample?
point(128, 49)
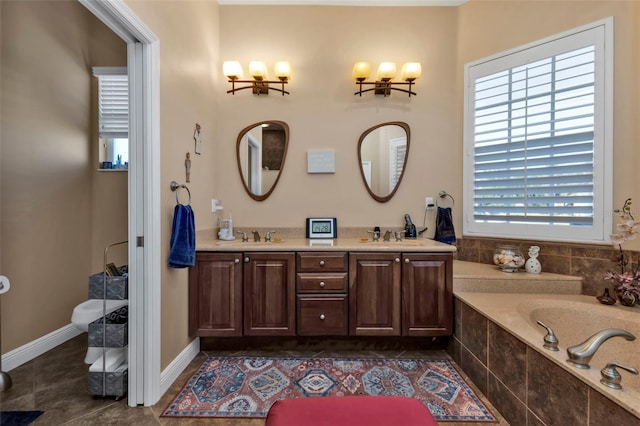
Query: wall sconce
point(258, 71)
point(386, 73)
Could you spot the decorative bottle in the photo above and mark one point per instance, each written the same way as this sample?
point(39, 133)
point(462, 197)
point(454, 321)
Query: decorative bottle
point(533, 265)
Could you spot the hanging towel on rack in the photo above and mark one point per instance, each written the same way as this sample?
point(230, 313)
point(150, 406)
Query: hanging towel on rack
point(183, 238)
point(444, 226)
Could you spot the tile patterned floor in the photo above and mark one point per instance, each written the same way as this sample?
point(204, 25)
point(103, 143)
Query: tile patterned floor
point(56, 383)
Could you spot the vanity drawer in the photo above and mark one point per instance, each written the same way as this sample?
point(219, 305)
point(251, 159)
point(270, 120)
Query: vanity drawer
point(322, 315)
point(336, 282)
point(322, 261)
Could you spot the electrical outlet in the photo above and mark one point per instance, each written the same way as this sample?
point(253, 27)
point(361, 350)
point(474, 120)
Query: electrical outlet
point(428, 203)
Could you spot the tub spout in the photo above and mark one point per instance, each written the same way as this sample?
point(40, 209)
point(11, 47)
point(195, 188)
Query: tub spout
point(580, 355)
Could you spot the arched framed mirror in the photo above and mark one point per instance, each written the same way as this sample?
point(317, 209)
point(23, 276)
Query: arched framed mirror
point(261, 151)
point(382, 152)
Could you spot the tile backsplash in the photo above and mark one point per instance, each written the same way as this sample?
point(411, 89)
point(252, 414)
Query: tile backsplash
point(588, 261)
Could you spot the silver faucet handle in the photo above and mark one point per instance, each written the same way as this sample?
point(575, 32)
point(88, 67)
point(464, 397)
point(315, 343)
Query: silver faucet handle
point(267, 236)
point(399, 234)
point(611, 377)
point(244, 236)
point(550, 340)
point(376, 235)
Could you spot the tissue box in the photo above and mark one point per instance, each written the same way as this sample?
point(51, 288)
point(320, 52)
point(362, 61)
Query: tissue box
point(117, 286)
point(117, 330)
point(116, 383)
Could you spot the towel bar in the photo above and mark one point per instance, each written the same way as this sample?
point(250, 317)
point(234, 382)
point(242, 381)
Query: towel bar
point(175, 186)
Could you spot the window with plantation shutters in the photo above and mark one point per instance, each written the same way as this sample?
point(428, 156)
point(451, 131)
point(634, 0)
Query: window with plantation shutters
point(537, 139)
point(113, 117)
point(113, 102)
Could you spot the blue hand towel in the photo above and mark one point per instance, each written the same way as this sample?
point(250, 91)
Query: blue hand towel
point(444, 226)
point(183, 238)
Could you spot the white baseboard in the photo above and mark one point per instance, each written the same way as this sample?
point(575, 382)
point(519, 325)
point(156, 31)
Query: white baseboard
point(35, 348)
point(178, 365)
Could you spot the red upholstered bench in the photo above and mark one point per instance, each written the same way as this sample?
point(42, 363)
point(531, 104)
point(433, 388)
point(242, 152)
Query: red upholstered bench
point(350, 411)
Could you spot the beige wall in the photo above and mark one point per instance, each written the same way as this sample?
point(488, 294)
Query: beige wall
point(322, 44)
point(189, 87)
point(48, 199)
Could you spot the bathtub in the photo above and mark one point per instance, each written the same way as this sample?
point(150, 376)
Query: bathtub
point(573, 319)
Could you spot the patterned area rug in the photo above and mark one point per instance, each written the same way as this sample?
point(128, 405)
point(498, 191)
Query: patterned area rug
point(247, 387)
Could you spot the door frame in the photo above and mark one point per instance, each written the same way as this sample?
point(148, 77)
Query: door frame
point(143, 64)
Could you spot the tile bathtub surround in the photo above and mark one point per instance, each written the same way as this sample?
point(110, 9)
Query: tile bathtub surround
point(522, 384)
point(588, 261)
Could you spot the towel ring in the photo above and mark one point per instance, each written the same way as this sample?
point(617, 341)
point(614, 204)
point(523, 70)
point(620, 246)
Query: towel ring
point(175, 186)
point(445, 194)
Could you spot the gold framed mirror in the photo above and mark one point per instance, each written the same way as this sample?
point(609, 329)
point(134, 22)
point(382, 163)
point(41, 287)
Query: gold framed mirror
point(382, 155)
point(261, 151)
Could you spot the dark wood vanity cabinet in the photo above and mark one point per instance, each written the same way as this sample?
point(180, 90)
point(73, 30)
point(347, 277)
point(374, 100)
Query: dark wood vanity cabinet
point(374, 294)
point(427, 294)
point(269, 294)
point(215, 295)
point(318, 293)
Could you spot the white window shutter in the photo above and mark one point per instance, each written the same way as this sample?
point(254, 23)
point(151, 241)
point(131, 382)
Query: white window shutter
point(113, 102)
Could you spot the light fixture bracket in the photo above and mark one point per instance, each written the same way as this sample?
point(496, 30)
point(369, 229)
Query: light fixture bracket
point(384, 87)
point(258, 87)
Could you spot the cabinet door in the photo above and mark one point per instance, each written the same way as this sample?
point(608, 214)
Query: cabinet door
point(374, 294)
point(427, 296)
point(269, 294)
point(215, 295)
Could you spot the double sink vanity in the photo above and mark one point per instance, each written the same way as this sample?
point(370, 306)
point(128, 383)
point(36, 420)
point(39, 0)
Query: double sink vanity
point(335, 287)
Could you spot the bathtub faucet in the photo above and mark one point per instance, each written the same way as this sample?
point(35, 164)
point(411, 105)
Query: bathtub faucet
point(581, 354)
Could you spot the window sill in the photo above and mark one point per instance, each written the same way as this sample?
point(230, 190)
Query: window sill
point(113, 170)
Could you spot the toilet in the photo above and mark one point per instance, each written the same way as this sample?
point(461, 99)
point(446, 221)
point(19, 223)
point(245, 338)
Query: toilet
point(89, 311)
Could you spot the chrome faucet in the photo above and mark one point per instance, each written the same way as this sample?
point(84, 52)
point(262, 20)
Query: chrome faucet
point(256, 236)
point(387, 236)
point(581, 354)
point(376, 235)
point(550, 340)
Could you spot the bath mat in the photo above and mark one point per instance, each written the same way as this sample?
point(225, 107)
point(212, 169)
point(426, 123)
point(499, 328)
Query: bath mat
point(248, 386)
point(18, 418)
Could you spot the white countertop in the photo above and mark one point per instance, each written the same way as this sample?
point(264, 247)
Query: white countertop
point(421, 245)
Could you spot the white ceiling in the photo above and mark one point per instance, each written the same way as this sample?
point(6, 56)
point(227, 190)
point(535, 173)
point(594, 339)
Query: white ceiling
point(346, 2)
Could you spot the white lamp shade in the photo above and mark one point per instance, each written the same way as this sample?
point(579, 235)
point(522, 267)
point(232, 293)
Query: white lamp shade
point(232, 69)
point(411, 71)
point(257, 69)
point(361, 70)
point(283, 70)
point(386, 70)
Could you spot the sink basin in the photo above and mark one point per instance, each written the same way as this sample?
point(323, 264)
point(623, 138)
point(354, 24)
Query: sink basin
point(394, 243)
point(239, 243)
